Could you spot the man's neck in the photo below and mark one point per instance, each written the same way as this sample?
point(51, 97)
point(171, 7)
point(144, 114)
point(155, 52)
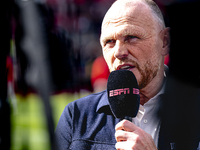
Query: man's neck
point(152, 88)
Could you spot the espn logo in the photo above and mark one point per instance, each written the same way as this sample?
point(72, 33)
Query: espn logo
point(124, 91)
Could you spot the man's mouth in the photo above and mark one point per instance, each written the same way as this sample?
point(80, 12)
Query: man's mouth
point(125, 67)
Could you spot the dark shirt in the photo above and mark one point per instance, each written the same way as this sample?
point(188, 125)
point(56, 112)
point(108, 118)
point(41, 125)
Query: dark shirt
point(87, 124)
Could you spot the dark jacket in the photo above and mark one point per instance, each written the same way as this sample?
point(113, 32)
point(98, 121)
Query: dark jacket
point(88, 124)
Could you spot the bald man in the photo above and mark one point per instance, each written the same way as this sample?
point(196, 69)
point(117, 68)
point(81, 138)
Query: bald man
point(133, 37)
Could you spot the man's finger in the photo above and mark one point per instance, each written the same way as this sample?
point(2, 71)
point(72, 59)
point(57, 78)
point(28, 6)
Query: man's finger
point(126, 126)
point(124, 145)
point(121, 135)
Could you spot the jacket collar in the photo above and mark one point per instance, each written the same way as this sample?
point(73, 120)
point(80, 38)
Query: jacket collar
point(103, 101)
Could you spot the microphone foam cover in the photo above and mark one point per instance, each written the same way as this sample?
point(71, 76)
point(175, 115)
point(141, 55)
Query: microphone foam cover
point(123, 94)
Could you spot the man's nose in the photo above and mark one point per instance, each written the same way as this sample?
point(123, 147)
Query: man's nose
point(120, 51)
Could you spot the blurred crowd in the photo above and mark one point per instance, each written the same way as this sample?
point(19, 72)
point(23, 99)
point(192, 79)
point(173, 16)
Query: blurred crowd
point(72, 31)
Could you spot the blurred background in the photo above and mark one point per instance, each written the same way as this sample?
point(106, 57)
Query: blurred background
point(51, 56)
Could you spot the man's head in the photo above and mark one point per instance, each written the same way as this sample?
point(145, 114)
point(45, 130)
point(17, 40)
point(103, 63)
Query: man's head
point(134, 37)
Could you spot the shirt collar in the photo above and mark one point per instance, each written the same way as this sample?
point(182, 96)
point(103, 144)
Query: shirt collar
point(155, 98)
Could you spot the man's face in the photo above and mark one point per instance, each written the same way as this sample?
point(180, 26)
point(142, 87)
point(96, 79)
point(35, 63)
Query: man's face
point(131, 40)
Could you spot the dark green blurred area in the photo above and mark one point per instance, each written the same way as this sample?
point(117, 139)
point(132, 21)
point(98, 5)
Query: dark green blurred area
point(29, 129)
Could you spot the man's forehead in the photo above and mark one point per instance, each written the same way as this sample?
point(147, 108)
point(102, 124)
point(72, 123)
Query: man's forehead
point(128, 2)
point(126, 8)
point(137, 12)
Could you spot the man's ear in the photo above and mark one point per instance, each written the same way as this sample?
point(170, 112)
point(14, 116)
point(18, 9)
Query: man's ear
point(165, 35)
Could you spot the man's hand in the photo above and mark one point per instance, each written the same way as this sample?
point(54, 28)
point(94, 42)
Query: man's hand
point(131, 137)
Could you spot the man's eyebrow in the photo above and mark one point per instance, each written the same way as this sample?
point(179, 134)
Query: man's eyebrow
point(134, 31)
point(106, 36)
point(125, 32)
point(104, 40)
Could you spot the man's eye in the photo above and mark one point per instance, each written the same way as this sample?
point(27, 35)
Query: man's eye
point(109, 41)
point(130, 37)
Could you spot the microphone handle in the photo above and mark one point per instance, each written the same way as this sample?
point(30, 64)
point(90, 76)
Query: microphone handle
point(128, 118)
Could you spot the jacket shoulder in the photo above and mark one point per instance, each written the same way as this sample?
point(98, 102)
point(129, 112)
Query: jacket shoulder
point(88, 102)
